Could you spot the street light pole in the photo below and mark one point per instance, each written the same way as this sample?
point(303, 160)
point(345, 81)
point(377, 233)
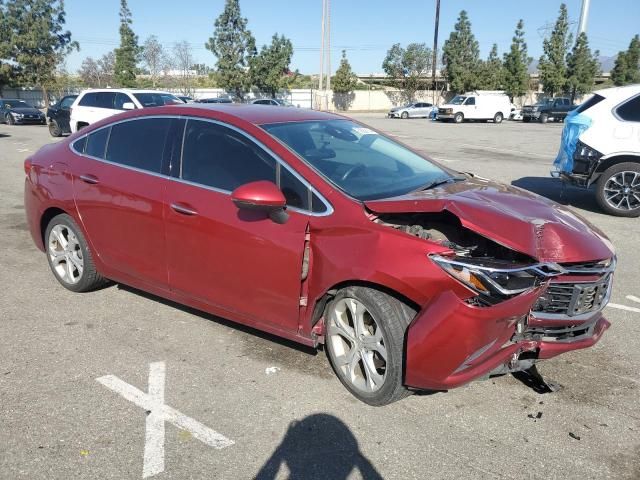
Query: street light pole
point(434, 61)
point(320, 82)
point(584, 15)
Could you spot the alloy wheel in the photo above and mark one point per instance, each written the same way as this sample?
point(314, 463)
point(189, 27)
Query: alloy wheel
point(358, 344)
point(65, 253)
point(622, 190)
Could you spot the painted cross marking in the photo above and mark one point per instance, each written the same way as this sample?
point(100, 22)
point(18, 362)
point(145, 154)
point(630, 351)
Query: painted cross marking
point(157, 414)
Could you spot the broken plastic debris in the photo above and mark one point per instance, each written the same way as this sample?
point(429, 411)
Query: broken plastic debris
point(270, 370)
point(573, 435)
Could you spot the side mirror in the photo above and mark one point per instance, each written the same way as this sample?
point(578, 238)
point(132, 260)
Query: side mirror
point(261, 196)
point(128, 106)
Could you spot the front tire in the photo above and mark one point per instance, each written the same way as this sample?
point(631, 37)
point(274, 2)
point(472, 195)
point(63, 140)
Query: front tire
point(365, 343)
point(69, 255)
point(54, 129)
point(618, 190)
point(458, 117)
point(404, 115)
point(544, 118)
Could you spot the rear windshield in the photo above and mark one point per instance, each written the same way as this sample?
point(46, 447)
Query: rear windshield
point(589, 103)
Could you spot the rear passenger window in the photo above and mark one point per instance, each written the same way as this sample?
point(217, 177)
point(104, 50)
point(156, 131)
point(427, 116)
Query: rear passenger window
point(105, 99)
point(139, 143)
point(79, 145)
point(630, 111)
point(222, 158)
point(96, 143)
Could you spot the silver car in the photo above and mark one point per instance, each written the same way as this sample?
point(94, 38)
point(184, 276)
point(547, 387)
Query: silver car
point(272, 101)
point(412, 110)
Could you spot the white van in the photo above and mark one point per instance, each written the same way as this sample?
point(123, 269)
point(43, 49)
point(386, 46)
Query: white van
point(478, 105)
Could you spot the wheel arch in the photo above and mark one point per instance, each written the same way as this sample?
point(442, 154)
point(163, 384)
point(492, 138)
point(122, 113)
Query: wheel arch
point(609, 162)
point(322, 301)
point(46, 217)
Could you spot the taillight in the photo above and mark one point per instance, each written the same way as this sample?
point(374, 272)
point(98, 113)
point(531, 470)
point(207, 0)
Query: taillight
point(27, 166)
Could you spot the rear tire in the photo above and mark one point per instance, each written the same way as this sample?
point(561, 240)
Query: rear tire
point(618, 190)
point(54, 129)
point(498, 117)
point(365, 343)
point(69, 255)
point(458, 117)
point(9, 119)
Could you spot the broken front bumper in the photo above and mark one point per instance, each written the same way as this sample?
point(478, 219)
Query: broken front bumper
point(451, 342)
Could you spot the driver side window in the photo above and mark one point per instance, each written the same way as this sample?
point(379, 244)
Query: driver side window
point(470, 101)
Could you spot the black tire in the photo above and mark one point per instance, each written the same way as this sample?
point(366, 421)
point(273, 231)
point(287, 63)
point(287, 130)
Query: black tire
point(544, 118)
point(404, 115)
point(9, 119)
point(89, 279)
point(526, 119)
point(498, 117)
point(54, 129)
point(458, 117)
point(392, 317)
point(628, 210)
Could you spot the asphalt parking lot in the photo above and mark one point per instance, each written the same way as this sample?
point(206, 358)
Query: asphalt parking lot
point(268, 409)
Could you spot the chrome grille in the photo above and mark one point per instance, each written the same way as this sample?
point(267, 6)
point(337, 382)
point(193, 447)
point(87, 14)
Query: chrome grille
point(573, 299)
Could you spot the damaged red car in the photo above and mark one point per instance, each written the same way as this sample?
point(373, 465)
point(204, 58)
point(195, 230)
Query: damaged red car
point(314, 227)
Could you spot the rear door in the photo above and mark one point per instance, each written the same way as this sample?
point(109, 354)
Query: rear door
point(63, 112)
point(236, 260)
point(118, 186)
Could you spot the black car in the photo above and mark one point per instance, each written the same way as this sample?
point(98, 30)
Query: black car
point(14, 112)
point(58, 115)
point(549, 108)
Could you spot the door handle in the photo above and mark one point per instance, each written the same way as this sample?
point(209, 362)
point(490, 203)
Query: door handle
point(92, 179)
point(183, 210)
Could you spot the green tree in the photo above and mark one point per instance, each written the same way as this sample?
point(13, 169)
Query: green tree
point(582, 67)
point(552, 64)
point(37, 40)
point(269, 69)
point(516, 65)
point(461, 56)
point(627, 67)
point(6, 69)
point(344, 81)
point(128, 53)
point(407, 68)
point(491, 71)
point(233, 45)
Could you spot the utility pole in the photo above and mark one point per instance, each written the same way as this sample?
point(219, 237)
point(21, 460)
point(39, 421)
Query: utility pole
point(324, 10)
point(584, 15)
point(434, 61)
point(328, 45)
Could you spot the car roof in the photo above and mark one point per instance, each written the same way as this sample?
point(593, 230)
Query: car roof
point(619, 93)
point(256, 114)
point(125, 90)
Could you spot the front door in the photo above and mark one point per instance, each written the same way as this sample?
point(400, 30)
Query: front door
point(119, 192)
point(237, 260)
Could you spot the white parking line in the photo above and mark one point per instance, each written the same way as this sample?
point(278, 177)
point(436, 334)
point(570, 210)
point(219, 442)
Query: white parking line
point(157, 414)
point(633, 299)
point(623, 307)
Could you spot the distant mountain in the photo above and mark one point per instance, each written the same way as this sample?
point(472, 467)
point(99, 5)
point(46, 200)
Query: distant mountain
point(606, 64)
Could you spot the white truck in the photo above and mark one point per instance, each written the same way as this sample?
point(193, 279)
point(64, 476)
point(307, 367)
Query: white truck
point(477, 105)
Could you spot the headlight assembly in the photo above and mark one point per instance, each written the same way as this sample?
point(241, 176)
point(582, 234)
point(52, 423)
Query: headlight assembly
point(494, 280)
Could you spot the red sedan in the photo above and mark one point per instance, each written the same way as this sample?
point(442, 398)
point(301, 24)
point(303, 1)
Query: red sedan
point(319, 229)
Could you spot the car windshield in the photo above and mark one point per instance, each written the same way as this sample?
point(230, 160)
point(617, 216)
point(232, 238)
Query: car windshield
point(153, 99)
point(458, 100)
point(546, 101)
point(359, 161)
point(16, 104)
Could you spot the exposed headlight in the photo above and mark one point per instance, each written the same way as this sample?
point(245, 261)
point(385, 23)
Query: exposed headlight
point(493, 280)
point(585, 152)
point(17, 115)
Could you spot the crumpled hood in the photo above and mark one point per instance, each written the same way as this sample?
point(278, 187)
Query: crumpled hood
point(511, 216)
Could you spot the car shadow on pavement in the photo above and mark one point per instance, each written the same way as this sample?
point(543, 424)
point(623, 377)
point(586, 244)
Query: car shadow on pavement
point(222, 321)
point(318, 447)
point(2, 135)
point(561, 192)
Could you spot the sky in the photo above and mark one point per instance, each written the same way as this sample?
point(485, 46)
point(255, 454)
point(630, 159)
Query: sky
point(364, 28)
